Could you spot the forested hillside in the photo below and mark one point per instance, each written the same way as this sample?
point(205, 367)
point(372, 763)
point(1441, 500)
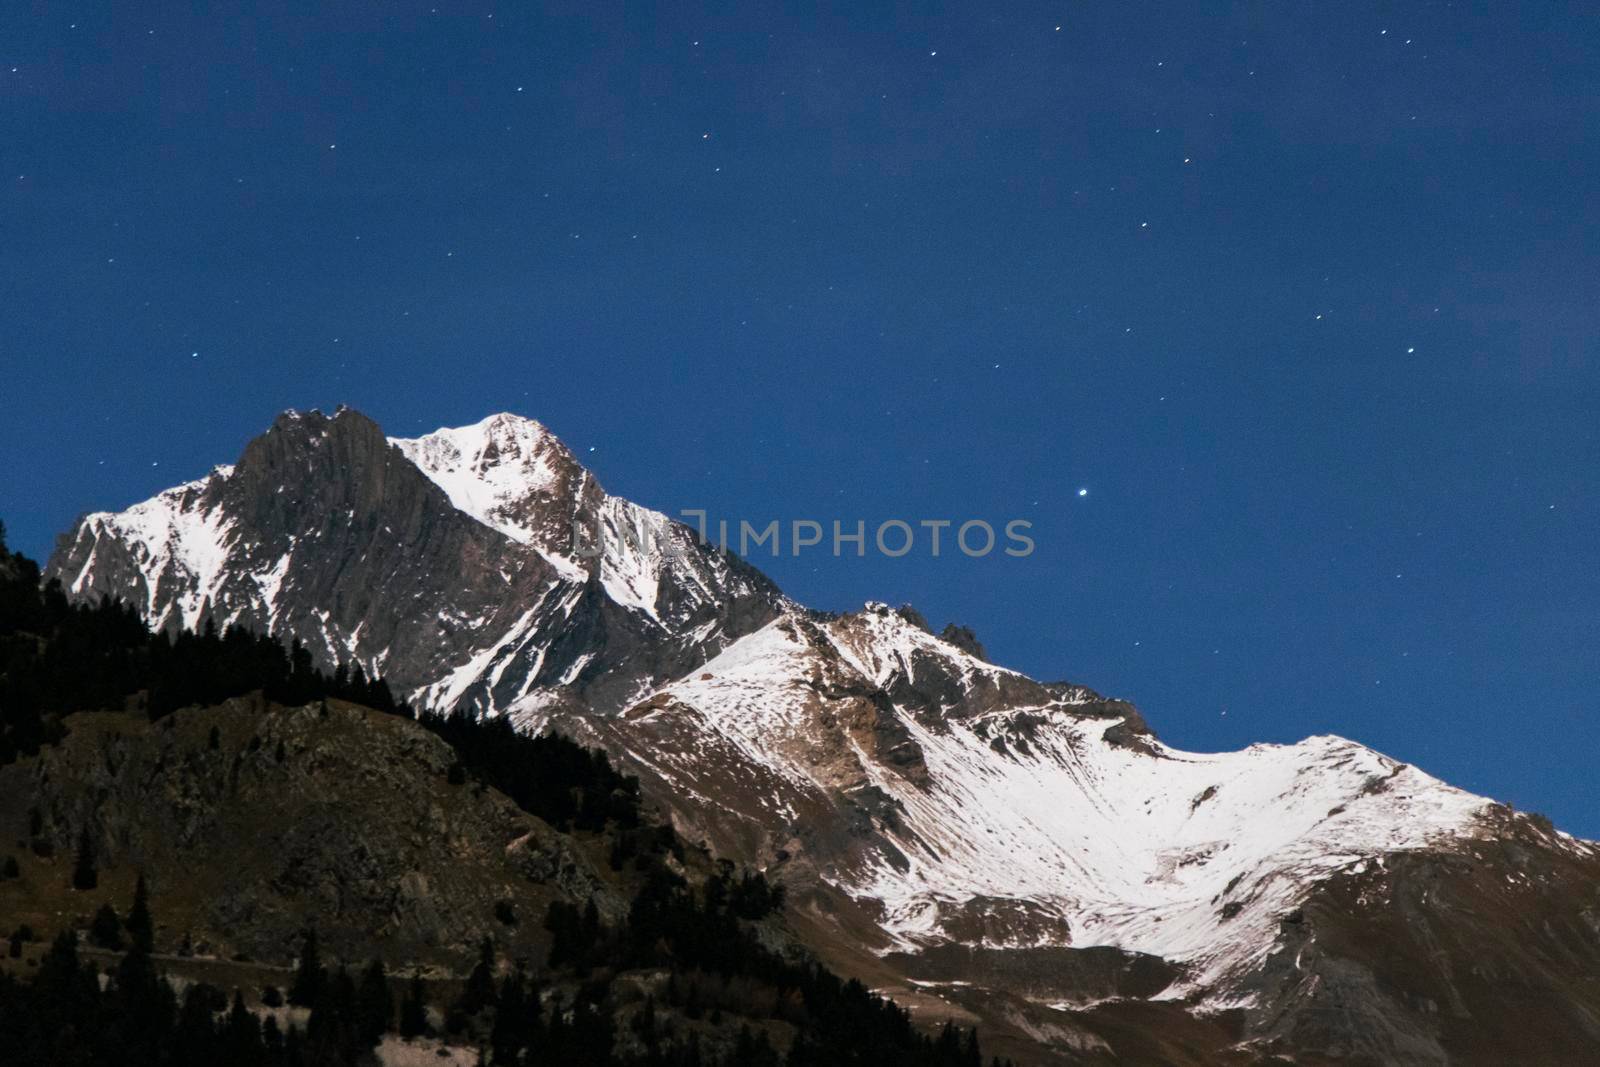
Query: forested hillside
point(689, 966)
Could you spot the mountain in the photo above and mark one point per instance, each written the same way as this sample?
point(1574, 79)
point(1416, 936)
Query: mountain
point(446, 562)
point(1026, 854)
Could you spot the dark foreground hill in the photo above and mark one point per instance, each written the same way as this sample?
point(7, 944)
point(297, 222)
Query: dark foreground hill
point(449, 883)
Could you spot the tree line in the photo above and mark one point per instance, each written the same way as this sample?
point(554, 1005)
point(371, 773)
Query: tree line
point(59, 657)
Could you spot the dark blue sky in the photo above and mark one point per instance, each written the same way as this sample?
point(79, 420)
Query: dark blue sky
point(1305, 295)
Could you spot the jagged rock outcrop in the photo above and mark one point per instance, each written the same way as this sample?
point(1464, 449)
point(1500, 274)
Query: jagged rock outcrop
point(963, 638)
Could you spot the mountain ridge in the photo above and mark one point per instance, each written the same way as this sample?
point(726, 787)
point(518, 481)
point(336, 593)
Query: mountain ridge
point(919, 801)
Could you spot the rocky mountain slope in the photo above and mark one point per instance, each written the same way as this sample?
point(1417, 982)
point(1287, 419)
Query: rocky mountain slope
point(955, 832)
point(988, 838)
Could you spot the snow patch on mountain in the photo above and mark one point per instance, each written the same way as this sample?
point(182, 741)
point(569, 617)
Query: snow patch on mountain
point(511, 474)
point(631, 544)
point(491, 469)
point(180, 543)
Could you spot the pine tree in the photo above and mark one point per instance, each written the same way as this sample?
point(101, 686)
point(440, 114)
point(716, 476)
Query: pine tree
point(479, 992)
point(374, 1003)
point(309, 977)
point(140, 928)
point(414, 1011)
point(106, 930)
point(85, 876)
point(510, 1031)
point(271, 1037)
point(242, 1032)
point(970, 1056)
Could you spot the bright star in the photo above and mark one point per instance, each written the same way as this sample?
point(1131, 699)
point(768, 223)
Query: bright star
point(1083, 492)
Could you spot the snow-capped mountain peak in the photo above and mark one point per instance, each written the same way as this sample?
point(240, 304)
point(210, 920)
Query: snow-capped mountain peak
point(499, 470)
point(366, 547)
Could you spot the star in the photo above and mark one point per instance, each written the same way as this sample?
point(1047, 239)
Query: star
point(1083, 492)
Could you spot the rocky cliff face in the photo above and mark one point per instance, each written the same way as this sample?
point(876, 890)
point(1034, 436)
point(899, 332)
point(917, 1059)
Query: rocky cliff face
point(1022, 853)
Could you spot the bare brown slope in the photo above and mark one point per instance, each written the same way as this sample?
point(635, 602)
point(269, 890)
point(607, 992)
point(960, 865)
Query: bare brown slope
point(1486, 953)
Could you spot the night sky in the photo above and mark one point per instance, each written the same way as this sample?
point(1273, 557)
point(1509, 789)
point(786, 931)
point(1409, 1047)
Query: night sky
point(1305, 296)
